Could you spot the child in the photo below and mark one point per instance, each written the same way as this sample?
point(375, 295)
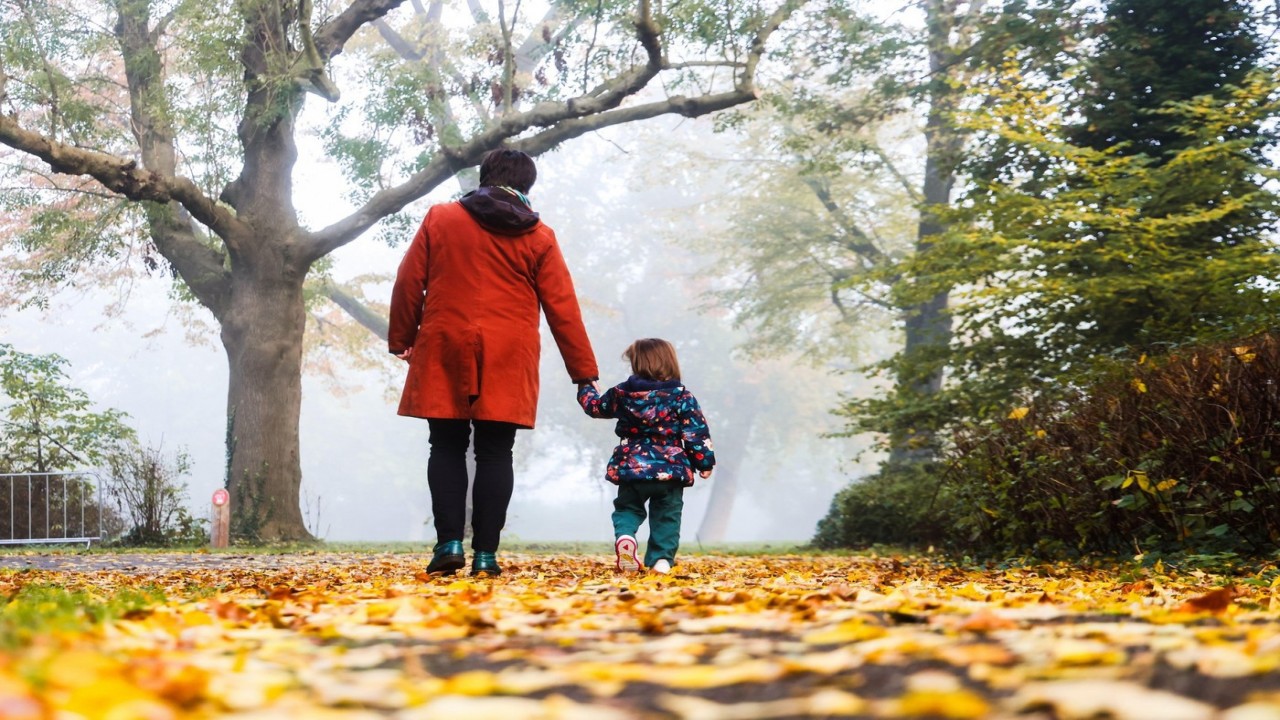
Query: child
point(664, 440)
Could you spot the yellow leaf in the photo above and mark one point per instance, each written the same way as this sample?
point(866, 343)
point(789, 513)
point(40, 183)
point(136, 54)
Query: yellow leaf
point(1164, 485)
point(848, 631)
point(957, 705)
point(1138, 385)
point(475, 682)
point(1041, 434)
point(1081, 653)
point(1018, 413)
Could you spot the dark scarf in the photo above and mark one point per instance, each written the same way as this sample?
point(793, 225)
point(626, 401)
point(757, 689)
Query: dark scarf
point(635, 383)
point(498, 211)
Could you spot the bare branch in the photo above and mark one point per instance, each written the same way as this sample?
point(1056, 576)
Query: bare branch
point(542, 38)
point(477, 12)
point(333, 35)
point(690, 107)
point(163, 25)
point(703, 63)
point(911, 188)
point(370, 320)
point(854, 239)
point(402, 47)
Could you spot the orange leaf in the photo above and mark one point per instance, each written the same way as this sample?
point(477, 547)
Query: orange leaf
point(984, 621)
point(1215, 601)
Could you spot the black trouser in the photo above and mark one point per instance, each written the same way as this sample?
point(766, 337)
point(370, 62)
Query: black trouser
point(447, 478)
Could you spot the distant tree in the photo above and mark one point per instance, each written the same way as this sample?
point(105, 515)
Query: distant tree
point(862, 158)
point(47, 425)
point(120, 115)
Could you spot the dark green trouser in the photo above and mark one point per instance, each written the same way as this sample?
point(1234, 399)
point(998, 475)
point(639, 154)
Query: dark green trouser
point(666, 502)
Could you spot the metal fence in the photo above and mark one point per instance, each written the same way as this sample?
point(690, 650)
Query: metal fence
point(55, 507)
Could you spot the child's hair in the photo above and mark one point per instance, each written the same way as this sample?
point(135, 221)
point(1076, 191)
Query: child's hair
point(653, 359)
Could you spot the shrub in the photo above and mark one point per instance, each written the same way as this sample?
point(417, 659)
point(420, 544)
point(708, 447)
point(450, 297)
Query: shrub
point(899, 505)
point(1180, 452)
point(148, 489)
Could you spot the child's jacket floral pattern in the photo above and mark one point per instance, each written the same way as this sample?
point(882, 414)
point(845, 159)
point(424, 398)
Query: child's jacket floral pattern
point(664, 434)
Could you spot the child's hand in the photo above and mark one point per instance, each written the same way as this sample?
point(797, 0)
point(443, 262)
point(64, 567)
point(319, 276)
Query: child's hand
point(405, 355)
point(705, 473)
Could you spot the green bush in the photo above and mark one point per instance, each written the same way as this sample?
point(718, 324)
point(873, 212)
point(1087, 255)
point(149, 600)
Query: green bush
point(1177, 453)
point(896, 506)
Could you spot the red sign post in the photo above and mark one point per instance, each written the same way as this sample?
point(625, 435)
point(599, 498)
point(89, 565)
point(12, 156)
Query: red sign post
point(221, 524)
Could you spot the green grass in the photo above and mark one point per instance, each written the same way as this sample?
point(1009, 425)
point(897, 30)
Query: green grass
point(39, 610)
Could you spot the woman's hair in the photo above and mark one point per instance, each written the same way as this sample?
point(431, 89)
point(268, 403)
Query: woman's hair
point(511, 168)
point(653, 359)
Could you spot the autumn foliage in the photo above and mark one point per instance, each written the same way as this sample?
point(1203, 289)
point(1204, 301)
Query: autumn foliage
point(364, 636)
point(1175, 452)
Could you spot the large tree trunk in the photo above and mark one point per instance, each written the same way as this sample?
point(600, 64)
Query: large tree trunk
point(927, 324)
point(262, 333)
point(731, 443)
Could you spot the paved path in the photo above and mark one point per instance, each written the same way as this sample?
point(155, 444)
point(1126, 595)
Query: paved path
point(194, 560)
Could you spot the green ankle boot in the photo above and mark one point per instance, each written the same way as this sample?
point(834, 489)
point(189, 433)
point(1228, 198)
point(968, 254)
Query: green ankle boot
point(485, 562)
point(448, 558)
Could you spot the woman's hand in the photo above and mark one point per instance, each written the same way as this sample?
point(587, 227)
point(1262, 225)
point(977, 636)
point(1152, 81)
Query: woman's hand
point(408, 353)
point(705, 473)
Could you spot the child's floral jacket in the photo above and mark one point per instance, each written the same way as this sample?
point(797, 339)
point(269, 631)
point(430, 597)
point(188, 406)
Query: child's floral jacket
point(664, 434)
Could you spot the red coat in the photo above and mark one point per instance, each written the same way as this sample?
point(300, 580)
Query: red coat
point(475, 337)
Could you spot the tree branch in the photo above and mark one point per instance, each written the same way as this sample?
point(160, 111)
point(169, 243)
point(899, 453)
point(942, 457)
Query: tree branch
point(690, 107)
point(370, 320)
point(169, 222)
point(542, 38)
point(398, 43)
point(855, 240)
point(562, 120)
point(333, 35)
point(450, 160)
point(121, 176)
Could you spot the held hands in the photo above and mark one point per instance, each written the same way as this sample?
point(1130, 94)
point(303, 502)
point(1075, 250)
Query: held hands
point(408, 353)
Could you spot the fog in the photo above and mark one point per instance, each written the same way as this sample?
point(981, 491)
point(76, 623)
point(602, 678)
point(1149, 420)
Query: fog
point(628, 211)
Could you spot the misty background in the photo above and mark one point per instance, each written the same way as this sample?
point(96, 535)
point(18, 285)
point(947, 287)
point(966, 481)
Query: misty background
point(638, 210)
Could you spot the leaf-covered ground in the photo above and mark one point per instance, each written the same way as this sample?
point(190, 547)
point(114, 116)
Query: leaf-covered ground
point(563, 636)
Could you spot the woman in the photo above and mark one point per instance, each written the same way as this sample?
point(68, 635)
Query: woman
point(464, 314)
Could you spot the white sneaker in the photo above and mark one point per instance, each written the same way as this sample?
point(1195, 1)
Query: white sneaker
point(625, 548)
point(662, 567)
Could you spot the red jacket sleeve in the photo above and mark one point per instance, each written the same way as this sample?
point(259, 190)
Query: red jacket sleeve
point(408, 294)
point(560, 303)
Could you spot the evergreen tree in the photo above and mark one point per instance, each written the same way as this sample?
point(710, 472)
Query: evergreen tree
point(1155, 52)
